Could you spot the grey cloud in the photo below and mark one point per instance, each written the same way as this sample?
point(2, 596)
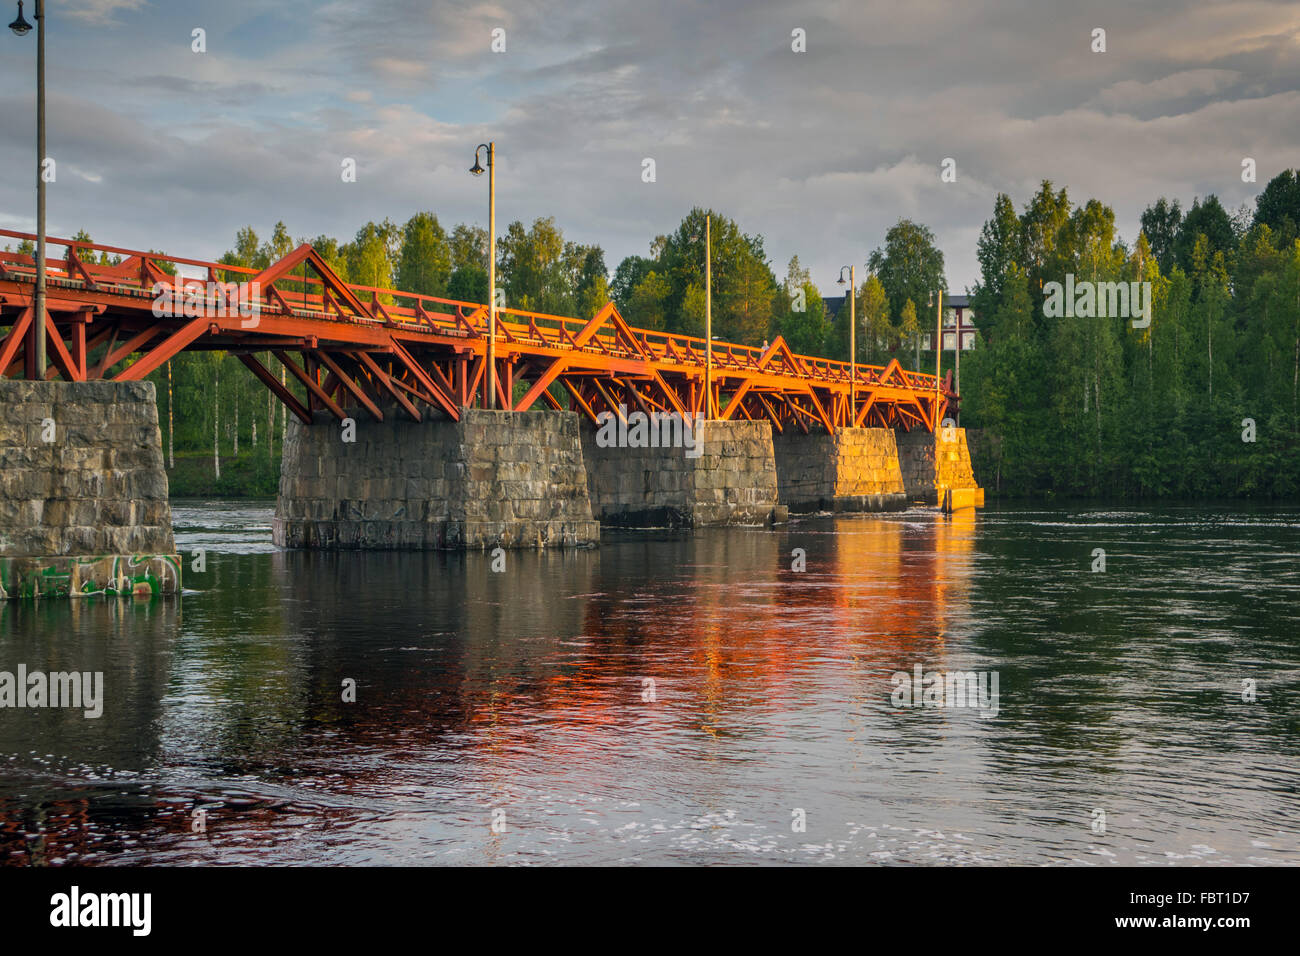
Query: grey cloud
point(820, 151)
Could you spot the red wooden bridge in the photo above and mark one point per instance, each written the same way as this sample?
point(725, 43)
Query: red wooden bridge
point(355, 346)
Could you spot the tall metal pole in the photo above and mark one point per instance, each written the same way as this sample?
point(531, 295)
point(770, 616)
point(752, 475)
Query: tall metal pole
point(853, 345)
point(938, 358)
point(708, 318)
point(492, 278)
point(171, 423)
point(38, 320)
point(956, 359)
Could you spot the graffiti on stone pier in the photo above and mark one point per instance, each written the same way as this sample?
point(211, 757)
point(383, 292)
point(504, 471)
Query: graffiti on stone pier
point(115, 575)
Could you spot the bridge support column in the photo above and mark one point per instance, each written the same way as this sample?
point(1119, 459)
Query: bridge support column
point(492, 479)
point(935, 464)
point(725, 474)
point(853, 469)
point(83, 491)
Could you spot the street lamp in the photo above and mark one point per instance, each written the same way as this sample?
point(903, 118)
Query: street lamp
point(938, 354)
point(708, 314)
point(477, 170)
point(853, 350)
point(956, 362)
point(708, 317)
point(21, 27)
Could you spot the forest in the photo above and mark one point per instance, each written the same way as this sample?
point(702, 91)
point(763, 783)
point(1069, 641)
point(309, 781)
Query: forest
point(1202, 403)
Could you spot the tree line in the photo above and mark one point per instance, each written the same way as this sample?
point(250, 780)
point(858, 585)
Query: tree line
point(1202, 402)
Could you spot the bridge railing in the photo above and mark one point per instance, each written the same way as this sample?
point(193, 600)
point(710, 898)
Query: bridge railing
point(138, 272)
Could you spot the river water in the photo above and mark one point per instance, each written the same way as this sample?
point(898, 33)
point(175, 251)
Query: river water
point(682, 698)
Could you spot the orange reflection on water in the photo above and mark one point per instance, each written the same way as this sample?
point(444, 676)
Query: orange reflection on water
point(734, 628)
point(727, 631)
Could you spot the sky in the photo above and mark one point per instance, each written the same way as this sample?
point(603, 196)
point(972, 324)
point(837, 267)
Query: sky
point(819, 151)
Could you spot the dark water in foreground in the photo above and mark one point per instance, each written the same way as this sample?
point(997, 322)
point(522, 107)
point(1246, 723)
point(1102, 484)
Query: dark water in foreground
point(522, 692)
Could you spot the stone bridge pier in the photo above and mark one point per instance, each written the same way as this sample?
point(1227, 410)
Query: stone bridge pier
point(541, 479)
point(722, 473)
point(850, 469)
point(492, 479)
point(937, 468)
point(84, 508)
point(83, 491)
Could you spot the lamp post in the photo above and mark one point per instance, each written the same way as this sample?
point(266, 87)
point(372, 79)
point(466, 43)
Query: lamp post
point(708, 317)
point(956, 362)
point(853, 345)
point(477, 170)
point(708, 313)
point(21, 27)
point(938, 356)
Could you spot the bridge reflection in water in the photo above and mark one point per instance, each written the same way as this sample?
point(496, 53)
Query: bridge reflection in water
point(473, 683)
point(524, 692)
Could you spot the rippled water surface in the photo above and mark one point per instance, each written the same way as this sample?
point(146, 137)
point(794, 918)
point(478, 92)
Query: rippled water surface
point(524, 694)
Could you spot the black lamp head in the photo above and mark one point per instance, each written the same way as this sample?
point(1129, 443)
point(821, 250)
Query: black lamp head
point(20, 26)
point(477, 168)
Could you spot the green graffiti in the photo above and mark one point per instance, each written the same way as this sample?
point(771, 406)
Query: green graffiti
point(139, 576)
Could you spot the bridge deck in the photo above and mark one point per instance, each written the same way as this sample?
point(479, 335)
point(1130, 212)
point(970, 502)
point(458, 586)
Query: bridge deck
point(356, 346)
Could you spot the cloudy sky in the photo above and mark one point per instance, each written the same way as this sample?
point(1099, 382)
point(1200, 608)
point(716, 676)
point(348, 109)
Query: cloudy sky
point(819, 151)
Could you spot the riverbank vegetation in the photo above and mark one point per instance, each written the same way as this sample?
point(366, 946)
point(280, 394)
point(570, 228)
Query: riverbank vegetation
point(1202, 402)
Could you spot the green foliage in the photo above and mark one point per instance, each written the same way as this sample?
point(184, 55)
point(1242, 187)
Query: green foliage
point(250, 475)
point(999, 247)
point(800, 316)
point(909, 331)
point(909, 265)
point(424, 263)
point(529, 265)
point(1207, 219)
point(247, 251)
point(1094, 406)
point(629, 274)
point(1278, 207)
point(1040, 225)
point(468, 247)
point(88, 256)
point(747, 306)
point(649, 302)
point(876, 335)
point(588, 277)
point(372, 254)
point(1160, 224)
point(540, 272)
point(334, 254)
point(469, 283)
